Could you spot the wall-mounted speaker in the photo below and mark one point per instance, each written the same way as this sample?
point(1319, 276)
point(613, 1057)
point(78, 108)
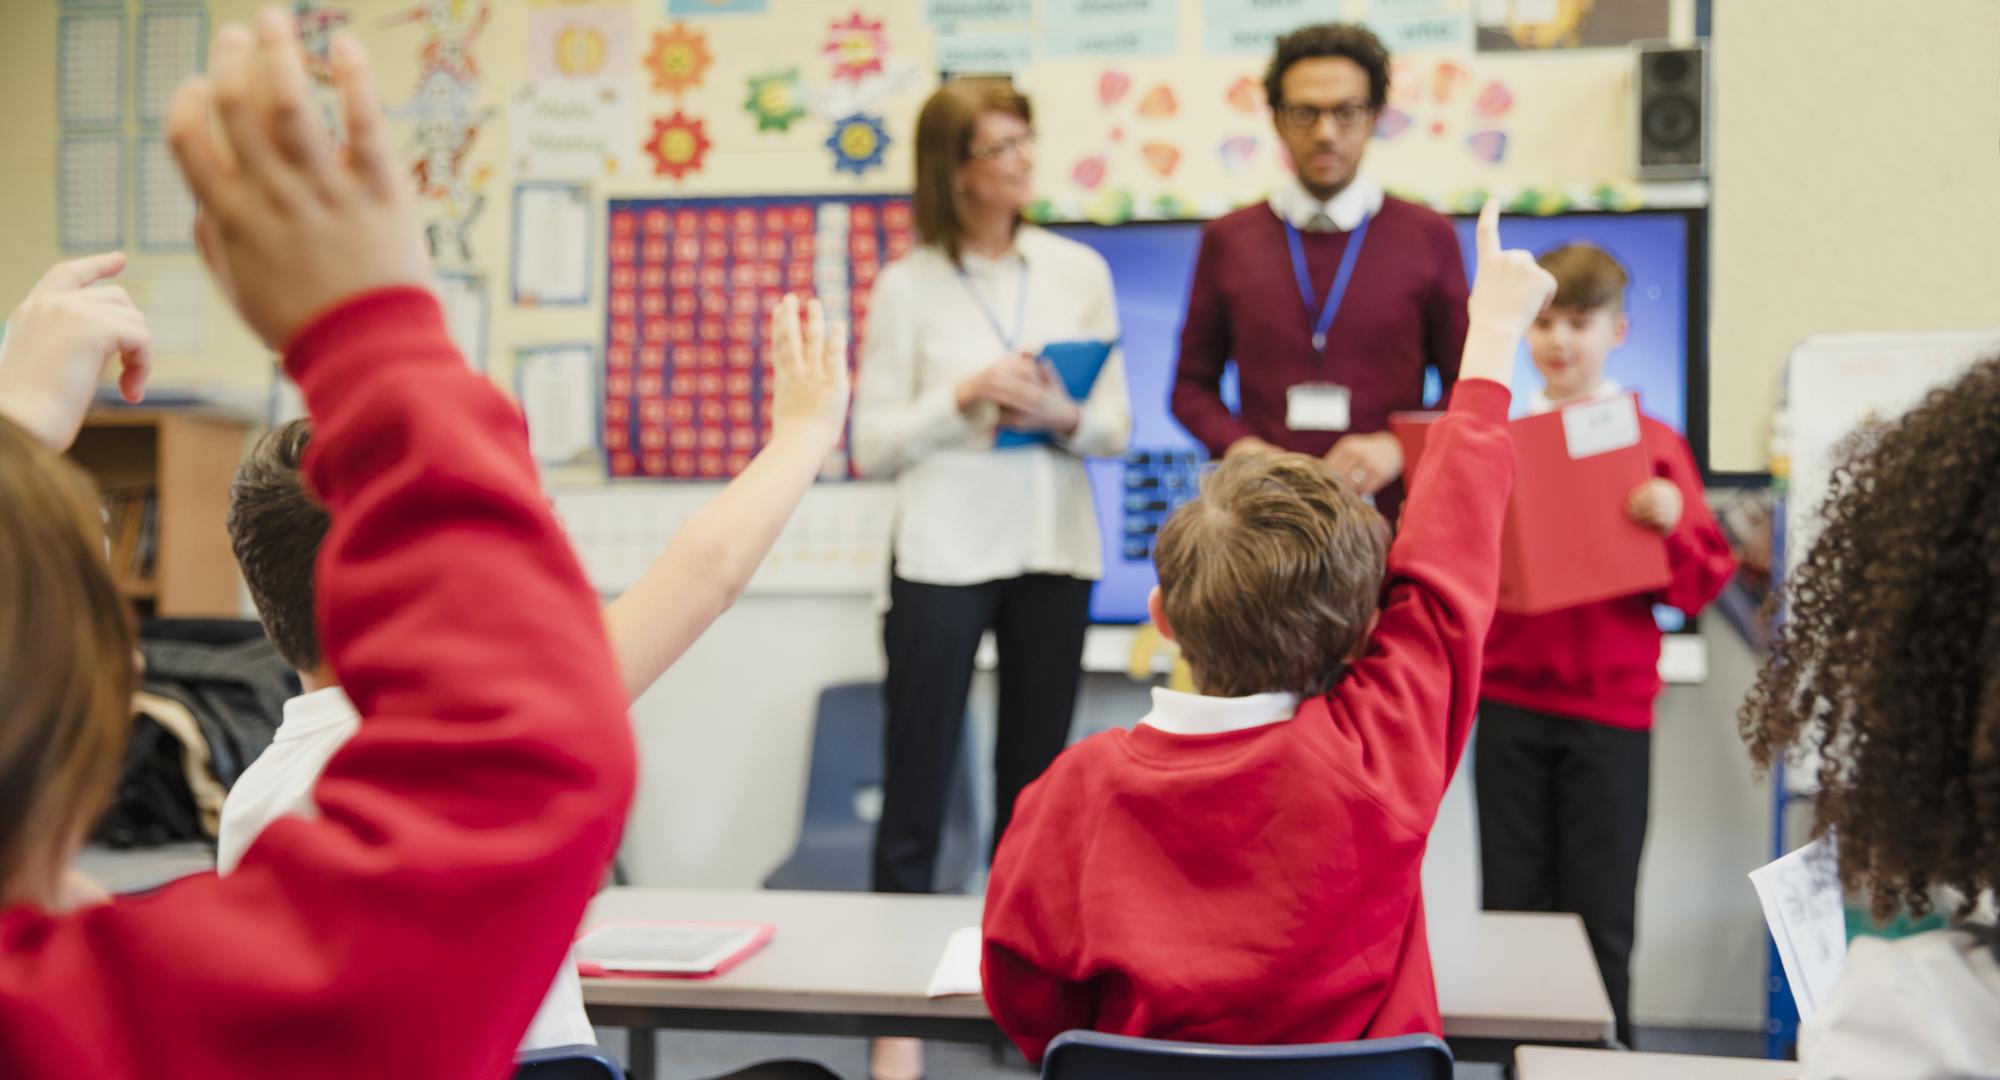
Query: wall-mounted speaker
point(1672, 99)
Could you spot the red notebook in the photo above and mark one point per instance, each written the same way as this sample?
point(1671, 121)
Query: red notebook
point(678, 950)
point(1566, 540)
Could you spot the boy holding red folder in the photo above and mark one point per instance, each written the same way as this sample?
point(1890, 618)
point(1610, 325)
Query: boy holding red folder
point(1566, 710)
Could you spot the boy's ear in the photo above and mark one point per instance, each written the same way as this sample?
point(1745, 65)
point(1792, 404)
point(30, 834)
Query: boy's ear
point(1624, 329)
point(1157, 611)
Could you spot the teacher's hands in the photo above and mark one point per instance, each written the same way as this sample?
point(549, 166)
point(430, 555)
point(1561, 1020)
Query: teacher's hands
point(1369, 462)
point(1030, 396)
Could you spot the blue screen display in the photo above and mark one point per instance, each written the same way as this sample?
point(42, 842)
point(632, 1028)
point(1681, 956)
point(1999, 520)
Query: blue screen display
point(1151, 267)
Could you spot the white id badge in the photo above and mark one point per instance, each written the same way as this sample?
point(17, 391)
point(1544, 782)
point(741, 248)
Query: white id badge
point(1316, 407)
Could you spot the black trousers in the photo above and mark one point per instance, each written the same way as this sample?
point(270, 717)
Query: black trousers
point(932, 633)
point(1562, 822)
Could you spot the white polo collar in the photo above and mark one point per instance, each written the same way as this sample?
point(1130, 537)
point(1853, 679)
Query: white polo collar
point(309, 714)
point(1196, 714)
point(1360, 198)
point(1539, 401)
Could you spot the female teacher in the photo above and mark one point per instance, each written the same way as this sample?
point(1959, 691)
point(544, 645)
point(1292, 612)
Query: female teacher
point(1001, 538)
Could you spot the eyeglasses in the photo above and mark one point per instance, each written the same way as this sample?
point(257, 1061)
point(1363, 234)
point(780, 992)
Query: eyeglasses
point(1302, 119)
point(1020, 146)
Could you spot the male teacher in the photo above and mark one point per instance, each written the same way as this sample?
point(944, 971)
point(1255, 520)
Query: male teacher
point(1330, 298)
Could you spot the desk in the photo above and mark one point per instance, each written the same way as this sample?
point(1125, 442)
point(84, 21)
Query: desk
point(858, 964)
point(1562, 1063)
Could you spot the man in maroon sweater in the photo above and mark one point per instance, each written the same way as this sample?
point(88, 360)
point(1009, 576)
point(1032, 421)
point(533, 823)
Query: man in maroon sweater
point(1331, 298)
point(1243, 866)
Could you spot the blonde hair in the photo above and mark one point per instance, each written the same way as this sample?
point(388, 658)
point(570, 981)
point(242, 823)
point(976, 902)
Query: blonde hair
point(66, 668)
point(944, 141)
point(1270, 577)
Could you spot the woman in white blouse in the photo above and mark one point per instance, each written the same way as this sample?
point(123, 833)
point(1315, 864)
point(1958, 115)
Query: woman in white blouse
point(986, 538)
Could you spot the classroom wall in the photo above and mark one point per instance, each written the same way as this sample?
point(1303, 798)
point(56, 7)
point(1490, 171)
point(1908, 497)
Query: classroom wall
point(724, 737)
point(1855, 186)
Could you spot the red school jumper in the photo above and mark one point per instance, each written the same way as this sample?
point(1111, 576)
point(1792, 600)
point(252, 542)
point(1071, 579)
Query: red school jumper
point(412, 927)
point(1601, 661)
point(1261, 886)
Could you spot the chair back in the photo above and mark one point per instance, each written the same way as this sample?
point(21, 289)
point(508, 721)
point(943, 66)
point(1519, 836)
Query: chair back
point(1091, 1055)
point(580, 1062)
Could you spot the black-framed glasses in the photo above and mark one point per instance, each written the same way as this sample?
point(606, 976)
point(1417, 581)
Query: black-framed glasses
point(1017, 147)
point(1347, 116)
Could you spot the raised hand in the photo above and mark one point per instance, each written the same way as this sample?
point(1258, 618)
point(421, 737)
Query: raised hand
point(59, 341)
point(811, 373)
point(292, 223)
point(1509, 290)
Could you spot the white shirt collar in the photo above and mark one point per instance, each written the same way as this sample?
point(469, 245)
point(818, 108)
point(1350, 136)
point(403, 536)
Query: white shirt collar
point(309, 714)
point(1360, 198)
point(1539, 401)
point(1012, 259)
point(1197, 714)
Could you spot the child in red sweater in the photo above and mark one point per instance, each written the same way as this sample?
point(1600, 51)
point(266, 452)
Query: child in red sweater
point(410, 928)
point(1242, 866)
point(1565, 712)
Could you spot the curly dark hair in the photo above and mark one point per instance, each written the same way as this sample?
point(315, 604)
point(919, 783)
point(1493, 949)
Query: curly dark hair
point(1887, 661)
point(1356, 43)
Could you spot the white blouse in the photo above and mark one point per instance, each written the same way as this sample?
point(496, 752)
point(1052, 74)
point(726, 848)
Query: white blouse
point(965, 511)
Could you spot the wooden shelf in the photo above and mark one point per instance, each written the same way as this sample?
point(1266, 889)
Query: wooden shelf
point(187, 460)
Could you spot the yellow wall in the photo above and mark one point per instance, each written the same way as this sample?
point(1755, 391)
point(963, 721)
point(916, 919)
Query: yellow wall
point(1857, 186)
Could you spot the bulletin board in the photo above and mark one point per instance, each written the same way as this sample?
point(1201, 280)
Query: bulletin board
point(524, 127)
point(692, 282)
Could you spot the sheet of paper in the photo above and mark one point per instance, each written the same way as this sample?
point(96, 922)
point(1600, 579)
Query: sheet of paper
point(984, 52)
point(551, 244)
point(958, 969)
point(166, 207)
point(580, 43)
point(90, 57)
point(170, 53)
point(557, 386)
point(1403, 34)
point(90, 188)
point(950, 12)
point(1806, 909)
point(463, 297)
point(568, 131)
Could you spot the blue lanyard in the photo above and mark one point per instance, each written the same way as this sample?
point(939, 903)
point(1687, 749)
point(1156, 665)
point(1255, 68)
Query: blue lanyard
point(1012, 342)
point(1324, 320)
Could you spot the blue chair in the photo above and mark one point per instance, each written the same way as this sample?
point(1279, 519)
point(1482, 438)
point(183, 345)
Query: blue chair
point(1091, 1055)
point(836, 845)
point(581, 1062)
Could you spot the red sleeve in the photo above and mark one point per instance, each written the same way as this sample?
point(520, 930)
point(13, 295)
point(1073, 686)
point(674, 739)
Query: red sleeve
point(1698, 554)
point(1445, 312)
point(413, 927)
point(1407, 705)
point(1205, 351)
point(1027, 964)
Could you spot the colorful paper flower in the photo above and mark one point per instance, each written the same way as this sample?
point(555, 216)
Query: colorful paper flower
point(679, 145)
point(679, 59)
point(858, 143)
point(776, 99)
point(857, 48)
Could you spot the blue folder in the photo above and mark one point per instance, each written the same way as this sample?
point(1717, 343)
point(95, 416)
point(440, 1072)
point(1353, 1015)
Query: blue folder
point(1078, 363)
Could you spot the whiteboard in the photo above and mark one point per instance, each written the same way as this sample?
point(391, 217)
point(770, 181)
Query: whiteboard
point(1836, 382)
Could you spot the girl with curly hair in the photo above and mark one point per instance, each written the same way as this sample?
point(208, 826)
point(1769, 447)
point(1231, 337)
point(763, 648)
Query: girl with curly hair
point(1888, 665)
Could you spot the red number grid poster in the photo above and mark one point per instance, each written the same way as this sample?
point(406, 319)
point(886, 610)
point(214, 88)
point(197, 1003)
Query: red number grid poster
point(691, 285)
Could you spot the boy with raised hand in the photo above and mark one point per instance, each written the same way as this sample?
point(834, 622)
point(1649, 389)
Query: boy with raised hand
point(411, 927)
point(1243, 866)
point(1566, 709)
point(276, 528)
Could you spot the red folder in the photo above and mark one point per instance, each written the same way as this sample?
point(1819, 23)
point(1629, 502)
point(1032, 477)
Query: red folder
point(1566, 540)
